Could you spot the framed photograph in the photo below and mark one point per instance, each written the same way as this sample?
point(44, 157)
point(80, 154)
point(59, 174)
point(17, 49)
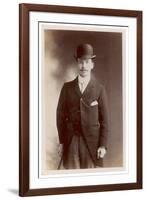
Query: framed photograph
point(80, 99)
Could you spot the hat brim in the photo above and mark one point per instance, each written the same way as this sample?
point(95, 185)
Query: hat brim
point(85, 57)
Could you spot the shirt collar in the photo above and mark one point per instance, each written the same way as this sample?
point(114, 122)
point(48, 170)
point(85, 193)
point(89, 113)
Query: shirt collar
point(84, 79)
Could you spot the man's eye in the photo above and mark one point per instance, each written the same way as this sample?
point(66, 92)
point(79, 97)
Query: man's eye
point(80, 62)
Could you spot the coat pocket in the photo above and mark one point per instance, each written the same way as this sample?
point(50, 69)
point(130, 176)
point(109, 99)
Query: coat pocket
point(94, 103)
point(89, 114)
point(93, 115)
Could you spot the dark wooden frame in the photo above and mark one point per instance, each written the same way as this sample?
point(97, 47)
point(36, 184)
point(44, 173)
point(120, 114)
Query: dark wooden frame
point(24, 10)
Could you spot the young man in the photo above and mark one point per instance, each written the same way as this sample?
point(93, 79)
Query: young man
point(82, 116)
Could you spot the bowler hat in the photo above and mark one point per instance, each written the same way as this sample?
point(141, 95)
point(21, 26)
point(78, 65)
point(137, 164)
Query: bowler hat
point(84, 51)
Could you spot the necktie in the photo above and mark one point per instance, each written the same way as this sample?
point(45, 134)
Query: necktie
point(82, 87)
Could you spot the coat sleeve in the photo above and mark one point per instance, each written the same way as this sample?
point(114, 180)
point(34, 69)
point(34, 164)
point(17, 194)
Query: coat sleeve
point(61, 114)
point(103, 118)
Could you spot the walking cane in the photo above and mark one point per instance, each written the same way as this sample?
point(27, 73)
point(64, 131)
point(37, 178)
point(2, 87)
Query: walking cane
point(59, 165)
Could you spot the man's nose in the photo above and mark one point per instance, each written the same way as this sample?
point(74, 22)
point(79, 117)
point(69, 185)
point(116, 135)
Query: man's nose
point(83, 65)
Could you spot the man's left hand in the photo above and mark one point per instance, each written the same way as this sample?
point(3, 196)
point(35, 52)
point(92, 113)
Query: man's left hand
point(101, 151)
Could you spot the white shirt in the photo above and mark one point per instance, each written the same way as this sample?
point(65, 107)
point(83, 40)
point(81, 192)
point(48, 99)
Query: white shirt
point(83, 82)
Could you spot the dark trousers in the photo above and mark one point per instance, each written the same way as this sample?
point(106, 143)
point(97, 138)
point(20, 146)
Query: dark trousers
point(78, 156)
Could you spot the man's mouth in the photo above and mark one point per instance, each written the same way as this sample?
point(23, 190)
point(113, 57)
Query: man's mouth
point(84, 70)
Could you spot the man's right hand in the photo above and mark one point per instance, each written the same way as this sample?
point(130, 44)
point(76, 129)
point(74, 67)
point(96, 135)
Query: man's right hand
point(60, 149)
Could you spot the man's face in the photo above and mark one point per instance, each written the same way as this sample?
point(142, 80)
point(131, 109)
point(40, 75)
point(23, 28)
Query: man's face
point(85, 66)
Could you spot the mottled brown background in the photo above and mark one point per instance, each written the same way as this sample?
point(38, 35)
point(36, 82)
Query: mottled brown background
point(60, 66)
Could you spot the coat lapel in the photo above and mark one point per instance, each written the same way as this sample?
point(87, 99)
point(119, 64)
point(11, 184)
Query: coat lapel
point(87, 94)
point(77, 89)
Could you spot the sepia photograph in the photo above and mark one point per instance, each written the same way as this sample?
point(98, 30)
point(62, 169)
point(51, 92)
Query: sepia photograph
point(82, 99)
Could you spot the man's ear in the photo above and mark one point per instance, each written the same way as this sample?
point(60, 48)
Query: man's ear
point(93, 64)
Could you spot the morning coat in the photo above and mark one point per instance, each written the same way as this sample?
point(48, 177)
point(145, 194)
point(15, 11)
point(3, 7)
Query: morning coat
point(84, 114)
